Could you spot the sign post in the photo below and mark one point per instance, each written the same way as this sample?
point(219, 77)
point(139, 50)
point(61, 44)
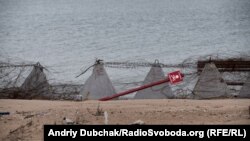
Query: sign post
point(175, 77)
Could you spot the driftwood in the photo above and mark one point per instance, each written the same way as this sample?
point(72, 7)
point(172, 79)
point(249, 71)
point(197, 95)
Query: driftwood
point(226, 65)
point(235, 83)
point(21, 127)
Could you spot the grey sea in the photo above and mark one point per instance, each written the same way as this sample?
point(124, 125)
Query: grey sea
point(68, 35)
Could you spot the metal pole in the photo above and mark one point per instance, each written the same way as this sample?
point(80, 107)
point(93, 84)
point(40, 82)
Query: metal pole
point(136, 89)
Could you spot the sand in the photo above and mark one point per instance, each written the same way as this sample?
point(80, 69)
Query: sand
point(27, 117)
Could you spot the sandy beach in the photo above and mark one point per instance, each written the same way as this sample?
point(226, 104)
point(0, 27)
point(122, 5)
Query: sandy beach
point(27, 117)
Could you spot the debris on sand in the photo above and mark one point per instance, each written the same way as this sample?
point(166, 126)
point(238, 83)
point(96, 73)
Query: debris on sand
point(67, 121)
point(138, 122)
point(105, 117)
point(4, 113)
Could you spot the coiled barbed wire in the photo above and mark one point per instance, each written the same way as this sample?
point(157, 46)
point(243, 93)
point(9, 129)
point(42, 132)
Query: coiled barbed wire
point(133, 65)
point(9, 65)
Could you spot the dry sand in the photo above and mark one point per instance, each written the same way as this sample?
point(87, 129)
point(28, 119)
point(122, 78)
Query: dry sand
point(27, 117)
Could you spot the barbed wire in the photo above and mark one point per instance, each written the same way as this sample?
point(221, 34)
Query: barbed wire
point(133, 65)
point(188, 67)
point(9, 65)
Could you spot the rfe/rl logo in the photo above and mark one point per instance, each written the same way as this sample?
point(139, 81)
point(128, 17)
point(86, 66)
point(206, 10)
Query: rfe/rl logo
point(175, 77)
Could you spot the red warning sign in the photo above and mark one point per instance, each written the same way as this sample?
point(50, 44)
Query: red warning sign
point(175, 77)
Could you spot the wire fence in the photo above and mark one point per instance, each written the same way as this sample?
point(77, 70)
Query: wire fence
point(13, 75)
